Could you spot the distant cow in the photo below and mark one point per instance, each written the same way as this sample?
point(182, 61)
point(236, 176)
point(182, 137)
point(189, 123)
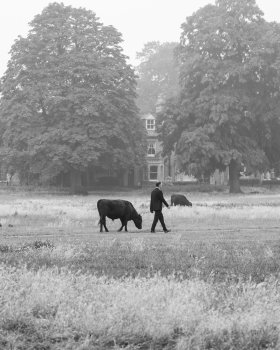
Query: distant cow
point(118, 209)
point(180, 199)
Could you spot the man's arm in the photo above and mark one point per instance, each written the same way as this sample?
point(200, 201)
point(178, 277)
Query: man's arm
point(163, 200)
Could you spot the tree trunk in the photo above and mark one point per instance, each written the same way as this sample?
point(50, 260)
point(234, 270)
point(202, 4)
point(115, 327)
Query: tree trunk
point(88, 178)
point(234, 171)
point(75, 181)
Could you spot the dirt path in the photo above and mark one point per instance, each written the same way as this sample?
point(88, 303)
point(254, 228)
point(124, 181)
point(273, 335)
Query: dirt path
point(265, 232)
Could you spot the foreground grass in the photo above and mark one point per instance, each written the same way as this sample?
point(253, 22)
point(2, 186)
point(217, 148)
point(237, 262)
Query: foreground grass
point(223, 261)
point(139, 296)
point(209, 285)
point(51, 309)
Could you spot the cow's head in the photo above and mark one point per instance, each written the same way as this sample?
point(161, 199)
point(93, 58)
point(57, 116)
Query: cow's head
point(189, 204)
point(138, 221)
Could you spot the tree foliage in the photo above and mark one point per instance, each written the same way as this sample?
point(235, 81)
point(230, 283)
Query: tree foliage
point(158, 74)
point(68, 97)
point(229, 90)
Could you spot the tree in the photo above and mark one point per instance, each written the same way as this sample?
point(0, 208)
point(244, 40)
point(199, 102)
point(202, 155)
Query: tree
point(158, 74)
point(229, 79)
point(68, 98)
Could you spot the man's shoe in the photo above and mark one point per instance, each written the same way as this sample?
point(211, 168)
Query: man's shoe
point(166, 231)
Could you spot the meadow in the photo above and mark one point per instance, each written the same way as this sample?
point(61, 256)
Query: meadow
point(211, 283)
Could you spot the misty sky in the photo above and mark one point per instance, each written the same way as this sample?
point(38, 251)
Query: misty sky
point(139, 21)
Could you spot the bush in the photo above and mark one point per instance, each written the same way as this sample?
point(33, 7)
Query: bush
point(249, 182)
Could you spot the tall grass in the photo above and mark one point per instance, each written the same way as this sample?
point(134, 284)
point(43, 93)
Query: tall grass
point(85, 311)
point(140, 291)
point(223, 261)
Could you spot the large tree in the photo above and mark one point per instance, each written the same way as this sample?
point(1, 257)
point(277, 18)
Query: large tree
point(229, 98)
point(68, 98)
point(158, 74)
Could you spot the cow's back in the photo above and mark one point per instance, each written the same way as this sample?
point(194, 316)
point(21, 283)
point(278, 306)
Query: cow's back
point(179, 199)
point(113, 208)
point(176, 198)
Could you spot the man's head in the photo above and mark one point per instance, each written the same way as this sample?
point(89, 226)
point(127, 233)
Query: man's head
point(159, 184)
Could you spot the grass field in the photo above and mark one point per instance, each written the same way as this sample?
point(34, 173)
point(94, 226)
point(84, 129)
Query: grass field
point(212, 283)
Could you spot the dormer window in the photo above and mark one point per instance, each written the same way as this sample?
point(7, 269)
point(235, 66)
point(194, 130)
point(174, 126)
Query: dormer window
point(150, 124)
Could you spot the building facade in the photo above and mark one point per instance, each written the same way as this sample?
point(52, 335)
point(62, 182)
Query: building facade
point(158, 168)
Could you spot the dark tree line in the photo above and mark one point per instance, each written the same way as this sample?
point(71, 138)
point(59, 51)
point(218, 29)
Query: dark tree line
point(227, 112)
point(68, 95)
point(68, 99)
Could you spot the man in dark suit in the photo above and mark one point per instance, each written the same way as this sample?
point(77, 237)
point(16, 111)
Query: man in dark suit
point(156, 206)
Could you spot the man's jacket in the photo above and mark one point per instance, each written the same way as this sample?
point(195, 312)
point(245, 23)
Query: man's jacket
point(157, 200)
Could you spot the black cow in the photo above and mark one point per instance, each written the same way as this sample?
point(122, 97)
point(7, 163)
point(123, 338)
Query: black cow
point(118, 209)
point(180, 199)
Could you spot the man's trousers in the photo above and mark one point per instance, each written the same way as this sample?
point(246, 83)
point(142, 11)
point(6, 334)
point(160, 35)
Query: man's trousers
point(158, 217)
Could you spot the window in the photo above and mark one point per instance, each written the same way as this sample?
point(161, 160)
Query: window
point(153, 173)
point(151, 149)
point(150, 124)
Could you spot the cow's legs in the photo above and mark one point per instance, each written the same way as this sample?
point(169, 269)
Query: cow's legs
point(124, 225)
point(103, 223)
point(120, 229)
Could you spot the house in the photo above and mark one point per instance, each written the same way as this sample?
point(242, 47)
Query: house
point(158, 168)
